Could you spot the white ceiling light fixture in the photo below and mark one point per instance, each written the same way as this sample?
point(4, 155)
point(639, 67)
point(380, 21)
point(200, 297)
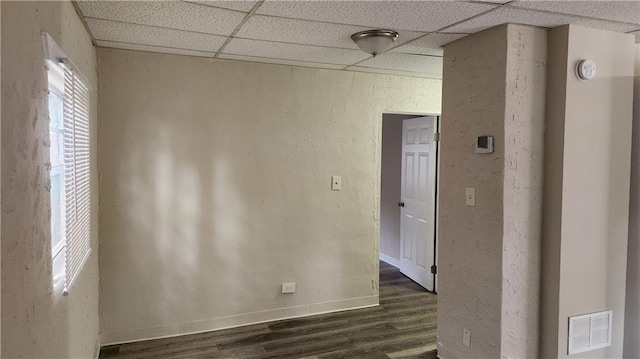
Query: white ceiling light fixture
point(374, 41)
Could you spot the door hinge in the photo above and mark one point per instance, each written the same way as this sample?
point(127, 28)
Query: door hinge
point(436, 136)
point(434, 269)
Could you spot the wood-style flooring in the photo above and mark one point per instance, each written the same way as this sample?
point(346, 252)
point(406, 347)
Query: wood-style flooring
point(403, 326)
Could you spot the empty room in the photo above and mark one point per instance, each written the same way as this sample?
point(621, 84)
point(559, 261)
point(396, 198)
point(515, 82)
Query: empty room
point(320, 179)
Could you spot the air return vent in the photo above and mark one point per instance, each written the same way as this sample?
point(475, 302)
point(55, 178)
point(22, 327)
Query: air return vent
point(590, 332)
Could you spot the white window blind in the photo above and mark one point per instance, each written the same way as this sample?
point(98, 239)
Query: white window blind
point(75, 191)
point(77, 174)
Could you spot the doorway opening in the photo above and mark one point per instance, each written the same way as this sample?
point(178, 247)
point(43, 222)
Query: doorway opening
point(408, 198)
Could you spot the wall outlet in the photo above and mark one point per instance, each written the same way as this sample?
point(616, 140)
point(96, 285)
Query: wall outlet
point(466, 338)
point(336, 183)
point(288, 288)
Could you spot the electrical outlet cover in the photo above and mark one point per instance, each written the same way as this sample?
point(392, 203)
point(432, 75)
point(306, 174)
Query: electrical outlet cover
point(288, 288)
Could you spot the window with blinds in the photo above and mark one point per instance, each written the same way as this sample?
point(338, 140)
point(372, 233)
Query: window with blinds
point(76, 173)
point(70, 166)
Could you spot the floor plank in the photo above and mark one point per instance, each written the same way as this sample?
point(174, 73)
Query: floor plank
point(403, 326)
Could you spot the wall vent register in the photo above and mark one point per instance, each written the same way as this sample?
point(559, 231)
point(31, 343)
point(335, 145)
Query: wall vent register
point(589, 332)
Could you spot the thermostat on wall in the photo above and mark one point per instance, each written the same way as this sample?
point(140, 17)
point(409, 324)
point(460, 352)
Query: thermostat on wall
point(484, 144)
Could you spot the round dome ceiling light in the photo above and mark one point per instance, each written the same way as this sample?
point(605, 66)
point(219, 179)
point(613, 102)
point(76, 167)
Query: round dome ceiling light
point(374, 41)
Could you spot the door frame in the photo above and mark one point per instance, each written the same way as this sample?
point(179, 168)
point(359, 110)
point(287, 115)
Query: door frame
point(437, 182)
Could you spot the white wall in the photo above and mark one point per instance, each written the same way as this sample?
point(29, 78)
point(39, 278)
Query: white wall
point(488, 255)
point(37, 321)
point(390, 190)
point(215, 189)
point(632, 317)
point(589, 155)
point(0, 187)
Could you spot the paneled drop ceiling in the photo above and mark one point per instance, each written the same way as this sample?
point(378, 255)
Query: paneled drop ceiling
point(316, 33)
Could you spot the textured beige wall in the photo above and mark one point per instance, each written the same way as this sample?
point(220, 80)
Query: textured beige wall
point(596, 150)
point(522, 193)
point(470, 238)
point(488, 255)
point(215, 189)
point(632, 317)
point(37, 321)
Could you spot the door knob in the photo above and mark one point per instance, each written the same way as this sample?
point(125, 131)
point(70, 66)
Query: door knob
point(400, 204)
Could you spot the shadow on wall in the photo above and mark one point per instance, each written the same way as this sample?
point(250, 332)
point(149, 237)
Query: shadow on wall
point(207, 207)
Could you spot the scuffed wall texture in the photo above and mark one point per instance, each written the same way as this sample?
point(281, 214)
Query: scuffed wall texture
point(489, 255)
point(470, 238)
point(522, 194)
point(596, 151)
point(391, 181)
point(37, 321)
point(215, 188)
point(632, 317)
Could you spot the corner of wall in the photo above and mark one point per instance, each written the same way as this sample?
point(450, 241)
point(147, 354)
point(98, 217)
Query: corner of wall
point(558, 42)
point(522, 193)
point(632, 314)
point(470, 238)
point(587, 183)
point(494, 84)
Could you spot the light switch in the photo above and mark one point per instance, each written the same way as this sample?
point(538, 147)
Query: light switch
point(336, 183)
point(470, 196)
point(466, 338)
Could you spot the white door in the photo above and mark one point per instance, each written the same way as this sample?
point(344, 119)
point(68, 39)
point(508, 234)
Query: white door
point(417, 252)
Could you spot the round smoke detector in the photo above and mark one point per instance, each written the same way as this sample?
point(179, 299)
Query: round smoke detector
point(585, 69)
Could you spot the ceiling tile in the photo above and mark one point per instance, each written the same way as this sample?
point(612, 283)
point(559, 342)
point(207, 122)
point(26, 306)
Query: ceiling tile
point(170, 14)
point(418, 50)
point(280, 62)
point(278, 50)
point(405, 62)
point(625, 11)
point(164, 50)
point(238, 5)
point(393, 72)
point(528, 17)
point(154, 36)
point(428, 45)
point(306, 32)
point(423, 16)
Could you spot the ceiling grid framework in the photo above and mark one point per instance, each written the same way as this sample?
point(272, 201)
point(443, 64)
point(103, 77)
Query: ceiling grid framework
point(317, 33)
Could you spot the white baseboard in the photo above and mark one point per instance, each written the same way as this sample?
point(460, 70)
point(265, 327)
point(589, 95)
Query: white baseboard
point(444, 353)
point(390, 260)
point(232, 321)
point(96, 350)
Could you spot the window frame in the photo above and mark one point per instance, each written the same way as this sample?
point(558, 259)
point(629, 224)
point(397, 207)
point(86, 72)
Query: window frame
point(55, 77)
point(71, 132)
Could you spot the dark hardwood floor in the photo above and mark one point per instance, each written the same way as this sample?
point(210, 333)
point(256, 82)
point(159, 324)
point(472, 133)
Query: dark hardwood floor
point(403, 326)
